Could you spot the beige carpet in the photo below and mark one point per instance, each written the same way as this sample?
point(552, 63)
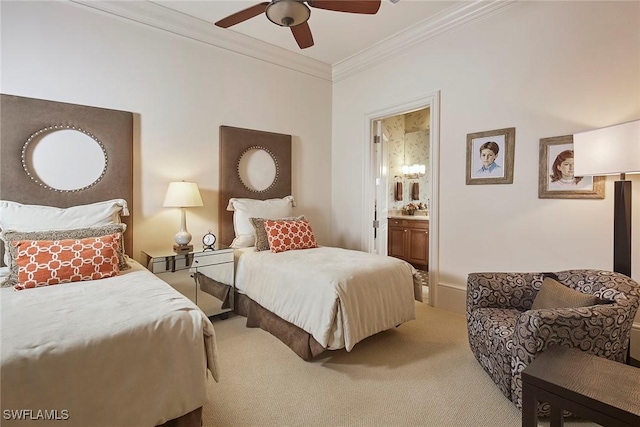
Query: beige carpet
point(419, 374)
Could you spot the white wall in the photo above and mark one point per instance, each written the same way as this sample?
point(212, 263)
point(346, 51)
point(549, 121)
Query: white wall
point(547, 69)
point(181, 92)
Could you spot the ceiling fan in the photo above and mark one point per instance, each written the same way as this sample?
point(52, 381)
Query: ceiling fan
point(295, 14)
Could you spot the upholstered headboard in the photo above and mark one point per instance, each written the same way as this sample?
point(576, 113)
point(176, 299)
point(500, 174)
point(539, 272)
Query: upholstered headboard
point(234, 143)
point(21, 118)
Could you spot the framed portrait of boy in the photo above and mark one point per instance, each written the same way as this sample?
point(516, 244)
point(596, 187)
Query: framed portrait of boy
point(490, 156)
point(556, 179)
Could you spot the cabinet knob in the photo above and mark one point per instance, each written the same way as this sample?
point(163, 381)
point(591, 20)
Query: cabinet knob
point(405, 231)
point(426, 232)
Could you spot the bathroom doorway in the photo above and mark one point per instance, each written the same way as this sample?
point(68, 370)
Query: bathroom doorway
point(401, 186)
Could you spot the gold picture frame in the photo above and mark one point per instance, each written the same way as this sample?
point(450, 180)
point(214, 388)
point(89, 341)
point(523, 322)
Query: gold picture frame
point(496, 167)
point(561, 184)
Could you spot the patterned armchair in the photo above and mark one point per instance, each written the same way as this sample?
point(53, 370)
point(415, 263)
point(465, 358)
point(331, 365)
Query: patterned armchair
point(505, 334)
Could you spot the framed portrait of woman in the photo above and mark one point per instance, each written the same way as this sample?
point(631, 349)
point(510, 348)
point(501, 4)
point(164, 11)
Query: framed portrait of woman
point(556, 179)
point(490, 156)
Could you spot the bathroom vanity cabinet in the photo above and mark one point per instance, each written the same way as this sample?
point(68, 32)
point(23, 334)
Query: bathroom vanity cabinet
point(409, 240)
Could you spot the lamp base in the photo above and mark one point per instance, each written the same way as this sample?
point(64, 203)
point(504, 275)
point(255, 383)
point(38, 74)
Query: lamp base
point(622, 228)
point(182, 249)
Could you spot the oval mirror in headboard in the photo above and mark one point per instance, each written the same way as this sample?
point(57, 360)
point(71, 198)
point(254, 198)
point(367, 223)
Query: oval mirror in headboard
point(64, 158)
point(258, 169)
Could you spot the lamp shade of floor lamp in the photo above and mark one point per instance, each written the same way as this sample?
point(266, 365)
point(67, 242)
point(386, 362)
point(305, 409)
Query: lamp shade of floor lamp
point(613, 150)
point(182, 195)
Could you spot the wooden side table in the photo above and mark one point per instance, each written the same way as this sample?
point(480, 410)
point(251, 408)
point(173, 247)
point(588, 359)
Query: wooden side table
point(591, 387)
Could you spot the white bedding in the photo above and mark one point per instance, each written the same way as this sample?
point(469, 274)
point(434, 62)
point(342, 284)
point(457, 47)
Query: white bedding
point(122, 351)
point(339, 296)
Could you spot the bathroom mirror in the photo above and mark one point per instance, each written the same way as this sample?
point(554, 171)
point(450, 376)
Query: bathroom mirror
point(257, 169)
point(416, 159)
point(64, 158)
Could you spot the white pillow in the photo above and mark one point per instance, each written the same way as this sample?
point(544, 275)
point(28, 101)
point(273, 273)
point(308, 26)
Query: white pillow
point(19, 217)
point(16, 216)
point(252, 208)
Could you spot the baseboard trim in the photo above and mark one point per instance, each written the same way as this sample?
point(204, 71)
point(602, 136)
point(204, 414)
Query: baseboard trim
point(451, 298)
point(634, 362)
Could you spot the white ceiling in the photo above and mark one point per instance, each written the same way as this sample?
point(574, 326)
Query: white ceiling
point(337, 35)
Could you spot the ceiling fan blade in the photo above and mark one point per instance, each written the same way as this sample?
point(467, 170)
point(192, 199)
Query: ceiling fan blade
point(370, 7)
point(302, 34)
point(243, 15)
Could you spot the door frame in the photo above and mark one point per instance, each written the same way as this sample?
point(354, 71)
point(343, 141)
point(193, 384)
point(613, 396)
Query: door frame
point(380, 161)
point(431, 101)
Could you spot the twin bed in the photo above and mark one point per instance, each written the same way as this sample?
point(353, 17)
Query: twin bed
point(313, 299)
point(125, 350)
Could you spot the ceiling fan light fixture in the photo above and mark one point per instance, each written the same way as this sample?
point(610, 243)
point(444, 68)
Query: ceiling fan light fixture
point(288, 13)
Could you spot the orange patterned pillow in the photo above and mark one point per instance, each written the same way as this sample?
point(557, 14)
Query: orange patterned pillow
point(50, 262)
point(285, 234)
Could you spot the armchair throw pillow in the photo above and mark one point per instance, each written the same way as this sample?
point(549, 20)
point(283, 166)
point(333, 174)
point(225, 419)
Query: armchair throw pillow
point(553, 294)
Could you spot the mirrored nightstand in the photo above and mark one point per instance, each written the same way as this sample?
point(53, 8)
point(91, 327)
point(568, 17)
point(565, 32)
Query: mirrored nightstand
point(205, 277)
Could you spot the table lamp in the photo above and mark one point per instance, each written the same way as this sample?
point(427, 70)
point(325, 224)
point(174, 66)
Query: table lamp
point(182, 195)
point(612, 150)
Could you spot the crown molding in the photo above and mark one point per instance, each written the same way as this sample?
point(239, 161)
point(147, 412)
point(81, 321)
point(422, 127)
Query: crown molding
point(449, 19)
point(160, 17)
point(163, 18)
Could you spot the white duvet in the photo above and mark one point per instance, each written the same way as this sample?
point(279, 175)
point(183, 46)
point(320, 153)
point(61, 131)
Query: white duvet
point(339, 296)
point(122, 351)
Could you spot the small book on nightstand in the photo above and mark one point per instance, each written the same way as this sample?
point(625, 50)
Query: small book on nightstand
point(182, 249)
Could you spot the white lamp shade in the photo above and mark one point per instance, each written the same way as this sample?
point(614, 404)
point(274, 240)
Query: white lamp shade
point(182, 195)
point(608, 151)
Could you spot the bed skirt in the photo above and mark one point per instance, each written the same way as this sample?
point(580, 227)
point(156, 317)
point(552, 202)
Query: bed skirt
point(215, 288)
point(298, 340)
point(191, 419)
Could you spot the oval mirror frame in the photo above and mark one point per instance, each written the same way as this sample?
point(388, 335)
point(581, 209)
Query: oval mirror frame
point(41, 133)
point(240, 170)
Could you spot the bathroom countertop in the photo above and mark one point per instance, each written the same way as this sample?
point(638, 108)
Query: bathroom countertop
point(410, 217)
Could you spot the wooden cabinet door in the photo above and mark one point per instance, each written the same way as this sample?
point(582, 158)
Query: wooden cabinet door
point(418, 246)
point(397, 244)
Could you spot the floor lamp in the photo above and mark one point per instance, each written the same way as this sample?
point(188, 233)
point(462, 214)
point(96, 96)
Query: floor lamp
point(613, 150)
